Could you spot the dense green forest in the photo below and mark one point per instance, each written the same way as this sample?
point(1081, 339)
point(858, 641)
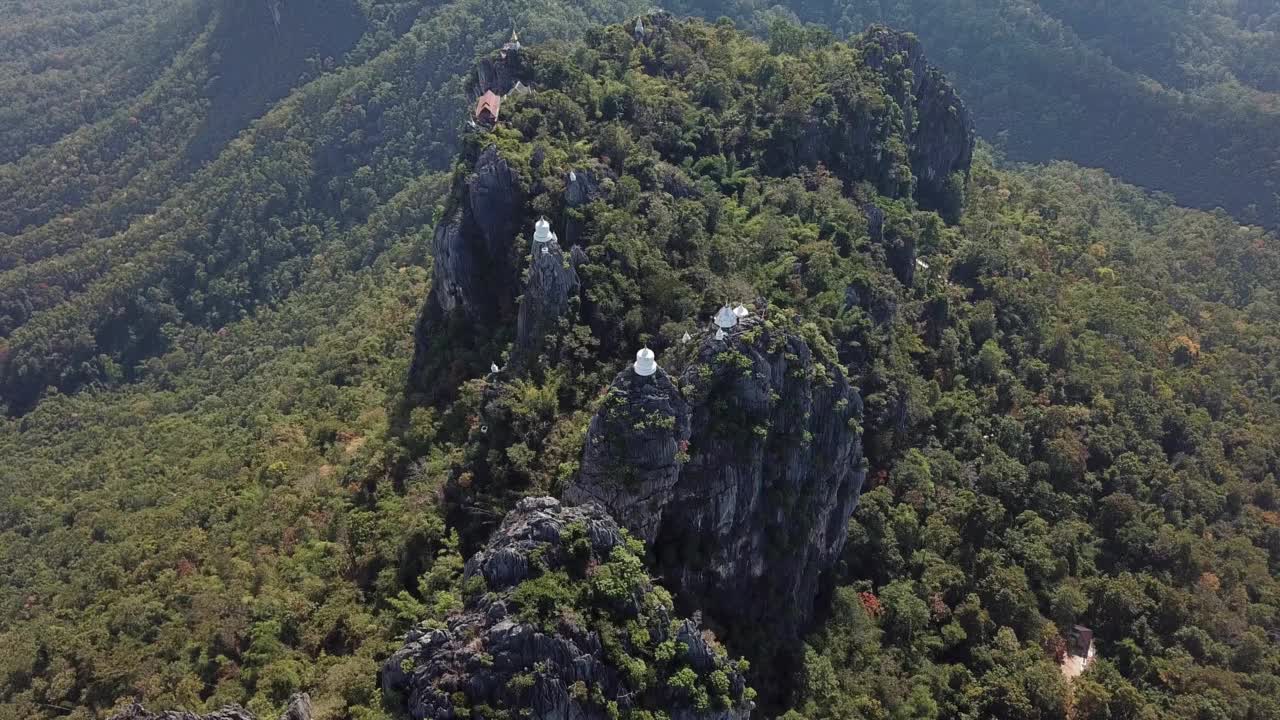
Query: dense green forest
point(227, 494)
point(68, 63)
point(1175, 95)
point(122, 200)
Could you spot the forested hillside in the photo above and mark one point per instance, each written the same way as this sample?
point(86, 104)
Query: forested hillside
point(1194, 115)
point(68, 63)
point(1178, 97)
point(280, 355)
point(126, 232)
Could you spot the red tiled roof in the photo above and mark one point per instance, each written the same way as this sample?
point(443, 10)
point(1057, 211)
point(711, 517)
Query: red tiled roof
point(488, 101)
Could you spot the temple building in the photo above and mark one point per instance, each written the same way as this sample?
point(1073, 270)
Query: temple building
point(1079, 652)
point(513, 43)
point(724, 319)
point(487, 107)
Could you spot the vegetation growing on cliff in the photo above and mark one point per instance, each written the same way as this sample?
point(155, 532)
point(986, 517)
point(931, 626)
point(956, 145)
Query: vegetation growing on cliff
point(1179, 96)
point(1070, 411)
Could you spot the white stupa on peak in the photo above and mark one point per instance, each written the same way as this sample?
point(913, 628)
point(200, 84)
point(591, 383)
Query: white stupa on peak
point(542, 231)
point(725, 318)
point(685, 340)
point(741, 311)
point(645, 364)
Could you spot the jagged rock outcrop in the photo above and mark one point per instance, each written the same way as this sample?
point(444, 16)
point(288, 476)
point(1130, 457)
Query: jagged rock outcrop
point(550, 293)
point(940, 127)
point(581, 187)
point(500, 72)
point(474, 268)
point(634, 451)
point(856, 147)
point(774, 472)
point(299, 709)
point(476, 272)
point(548, 634)
point(899, 248)
point(757, 512)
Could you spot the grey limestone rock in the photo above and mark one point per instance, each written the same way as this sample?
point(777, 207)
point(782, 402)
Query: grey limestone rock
point(299, 708)
point(474, 270)
point(476, 274)
point(633, 451)
point(550, 293)
point(939, 125)
point(492, 658)
point(750, 513)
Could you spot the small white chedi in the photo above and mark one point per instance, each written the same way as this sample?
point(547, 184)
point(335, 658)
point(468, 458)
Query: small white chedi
point(645, 364)
point(724, 319)
point(542, 231)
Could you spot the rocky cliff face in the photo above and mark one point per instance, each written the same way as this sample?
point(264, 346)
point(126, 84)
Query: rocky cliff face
point(566, 624)
point(550, 293)
point(475, 262)
point(474, 268)
point(634, 451)
point(581, 188)
point(299, 709)
point(939, 125)
point(500, 72)
point(748, 517)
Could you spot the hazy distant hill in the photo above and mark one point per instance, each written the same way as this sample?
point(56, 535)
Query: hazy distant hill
point(1177, 96)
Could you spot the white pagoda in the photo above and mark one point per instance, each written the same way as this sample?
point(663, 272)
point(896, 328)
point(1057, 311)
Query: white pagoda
point(645, 364)
point(542, 232)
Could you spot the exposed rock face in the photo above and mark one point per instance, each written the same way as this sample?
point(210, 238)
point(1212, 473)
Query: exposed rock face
point(879, 305)
point(774, 472)
point(137, 712)
point(504, 652)
point(900, 249)
point(581, 188)
point(476, 272)
point(500, 73)
point(299, 709)
point(633, 452)
point(550, 294)
point(939, 125)
point(854, 147)
point(759, 509)
point(474, 268)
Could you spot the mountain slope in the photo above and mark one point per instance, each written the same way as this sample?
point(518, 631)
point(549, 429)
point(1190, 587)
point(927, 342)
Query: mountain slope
point(214, 246)
point(66, 63)
point(1053, 84)
point(1178, 97)
point(1066, 408)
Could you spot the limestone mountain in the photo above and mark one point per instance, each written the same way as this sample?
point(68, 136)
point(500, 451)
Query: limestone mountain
point(564, 622)
point(487, 374)
point(742, 470)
